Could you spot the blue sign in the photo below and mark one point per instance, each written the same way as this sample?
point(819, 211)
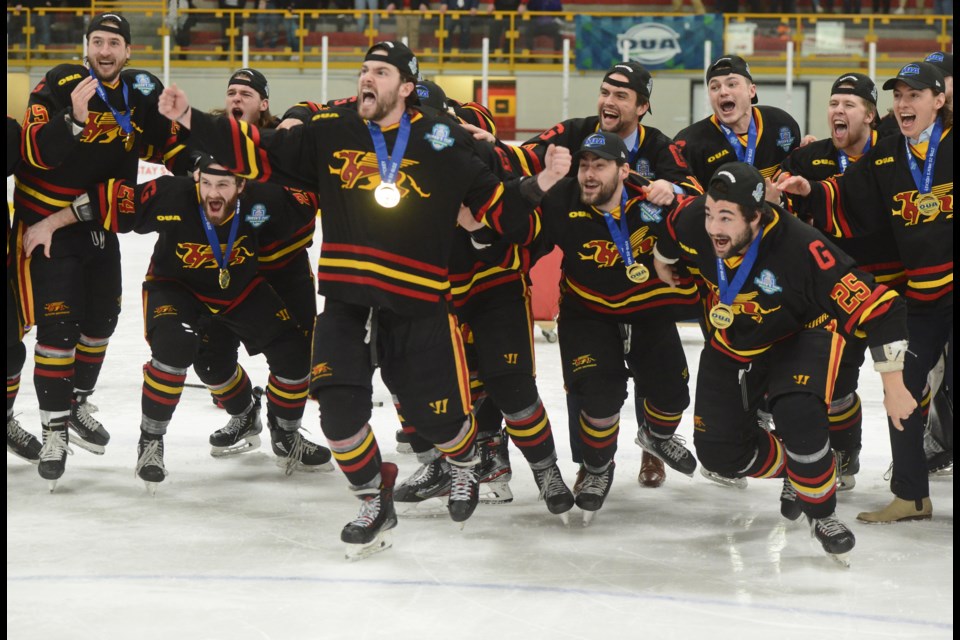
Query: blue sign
point(656, 42)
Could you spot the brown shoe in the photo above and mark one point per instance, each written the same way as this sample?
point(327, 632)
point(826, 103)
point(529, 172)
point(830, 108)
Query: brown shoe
point(581, 474)
point(652, 473)
point(899, 511)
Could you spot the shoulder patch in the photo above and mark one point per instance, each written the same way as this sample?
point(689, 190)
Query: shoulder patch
point(785, 139)
point(650, 212)
point(144, 84)
point(643, 168)
point(439, 137)
point(767, 282)
point(258, 216)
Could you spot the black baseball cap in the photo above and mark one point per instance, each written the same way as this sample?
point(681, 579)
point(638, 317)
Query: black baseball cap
point(431, 95)
point(206, 163)
point(942, 61)
point(918, 75)
point(727, 65)
point(474, 113)
point(857, 84)
point(112, 23)
point(740, 183)
point(253, 79)
point(638, 78)
point(397, 54)
point(603, 144)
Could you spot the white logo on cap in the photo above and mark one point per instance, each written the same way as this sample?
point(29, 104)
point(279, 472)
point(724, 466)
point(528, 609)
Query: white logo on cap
point(728, 174)
point(596, 140)
point(758, 192)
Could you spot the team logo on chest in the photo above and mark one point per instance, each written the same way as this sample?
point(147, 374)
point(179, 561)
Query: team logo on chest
point(785, 139)
point(439, 138)
point(644, 169)
point(197, 255)
point(143, 84)
point(767, 282)
point(257, 216)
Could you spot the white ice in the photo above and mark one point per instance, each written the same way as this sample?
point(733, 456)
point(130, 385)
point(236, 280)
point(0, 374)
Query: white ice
point(233, 549)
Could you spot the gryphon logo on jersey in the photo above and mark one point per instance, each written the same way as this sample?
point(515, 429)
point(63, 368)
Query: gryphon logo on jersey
point(916, 207)
point(361, 171)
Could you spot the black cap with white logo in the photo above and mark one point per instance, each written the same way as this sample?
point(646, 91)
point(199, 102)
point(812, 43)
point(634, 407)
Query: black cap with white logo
point(942, 61)
point(603, 144)
point(918, 75)
point(857, 84)
point(740, 183)
point(638, 78)
point(431, 95)
point(397, 54)
point(111, 23)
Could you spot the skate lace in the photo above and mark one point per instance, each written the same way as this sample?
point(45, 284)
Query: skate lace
point(462, 481)
point(595, 483)
point(423, 475)
point(550, 482)
point(888, 473)
point(83, 411)
point(235, 425)
point(300, 447)
point(54, 446)
point(674, 446)
point(17, 433)
point(831, 526)
point(369, 510)
point(152, 456)
point(788, 492)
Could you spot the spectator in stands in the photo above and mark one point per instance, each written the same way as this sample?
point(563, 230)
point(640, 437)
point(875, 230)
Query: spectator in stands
point(268, 24)
point(881, 6)
point(853, 6)
point(408, 25)
point(372, 5)
point(543, 25)
point(40, 22)
point(292, 21)
point(462, 23)
point(231, 5)
point(500, 25)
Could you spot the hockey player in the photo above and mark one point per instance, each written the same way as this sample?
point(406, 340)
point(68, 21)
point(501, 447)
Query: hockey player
point(20, 442)
point(779, 292)
point(85, 124)
point(616, 320)
point(623, 101)
point(851, 117)
point(904, 188)
point(391, 180)
point(202, 269)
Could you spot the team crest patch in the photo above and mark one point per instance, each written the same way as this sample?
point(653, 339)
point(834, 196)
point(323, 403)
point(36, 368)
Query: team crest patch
point(257, 216)
point(439, 138)
point(144, 84)
point(785, 140)
point(767, 282)
point(643, 168)
point(650, 212)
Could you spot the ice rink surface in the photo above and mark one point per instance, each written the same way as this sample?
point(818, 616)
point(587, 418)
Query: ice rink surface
point(232, 549)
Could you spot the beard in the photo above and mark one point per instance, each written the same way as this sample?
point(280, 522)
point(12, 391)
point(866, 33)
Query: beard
point(603, 195)
point(106, 75)
point(735, 245)
point(385, 103)
point(217, 210)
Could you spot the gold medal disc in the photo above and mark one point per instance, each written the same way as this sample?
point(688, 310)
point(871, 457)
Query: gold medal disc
point(224, 278)
point(721, 316)
point(387, 195)
point(128, 139)
point(638, 273)
point(928, 204)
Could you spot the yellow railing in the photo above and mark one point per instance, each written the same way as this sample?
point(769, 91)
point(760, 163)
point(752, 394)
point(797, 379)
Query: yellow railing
point(448, 40)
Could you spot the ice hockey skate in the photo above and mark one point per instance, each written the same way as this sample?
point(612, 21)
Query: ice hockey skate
point(89, 433)
point(369, 532)
point(150, 466)
point(241, 433)
point(554, 491)
point(670, 450)
point(494, 471)
point(296, 453)
point(790, 507)
point(848, 465)
point(722, 480)
point(425, 493)
point(464, 489)
point(21, 442)
point(835, 537)
point(403, 442)
point(53, 453)
point(593, 491)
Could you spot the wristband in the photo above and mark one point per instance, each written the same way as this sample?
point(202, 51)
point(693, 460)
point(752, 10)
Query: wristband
point(82, 209)
point(889, 357)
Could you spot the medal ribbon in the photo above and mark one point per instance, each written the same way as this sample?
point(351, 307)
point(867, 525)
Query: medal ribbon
point(743, 155)
point(222, 262)
point(925, 182)
point(621, 233)
point(123, 119)
point(844, 161)
point(728, 292)
point(390, 163)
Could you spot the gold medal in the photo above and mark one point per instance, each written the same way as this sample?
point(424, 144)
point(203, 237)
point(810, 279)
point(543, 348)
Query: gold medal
point(638, 273)
point(721, 315)
point(224, 278)
point(928, 204)
point(387, 195)
point(128, 139)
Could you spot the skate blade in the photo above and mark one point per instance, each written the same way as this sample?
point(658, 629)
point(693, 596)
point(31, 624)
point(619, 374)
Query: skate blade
point(846, 483)
point(382, 542)
point(495, 493)
point(95, 449)
point(588, 517)
point(404, 447)
point(565, 518)
point(51, 485)
point(151, 487)
point(842, 559)
point(729, 483)
point(299, 466)
point(249, 444)
point(429, 508)
point(943, 471)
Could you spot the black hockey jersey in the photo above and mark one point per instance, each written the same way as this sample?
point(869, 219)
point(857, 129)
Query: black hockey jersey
point(706, 148)
point(170, 206)
point(799, 280)
point(593, 273)
point(396, 258)
point(874, 252)
point(878, 194)
point(58, 166)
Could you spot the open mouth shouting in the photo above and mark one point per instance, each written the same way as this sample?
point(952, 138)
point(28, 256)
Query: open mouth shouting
point(609, 118)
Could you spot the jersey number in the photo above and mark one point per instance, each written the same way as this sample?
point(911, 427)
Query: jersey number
point(849, 293)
